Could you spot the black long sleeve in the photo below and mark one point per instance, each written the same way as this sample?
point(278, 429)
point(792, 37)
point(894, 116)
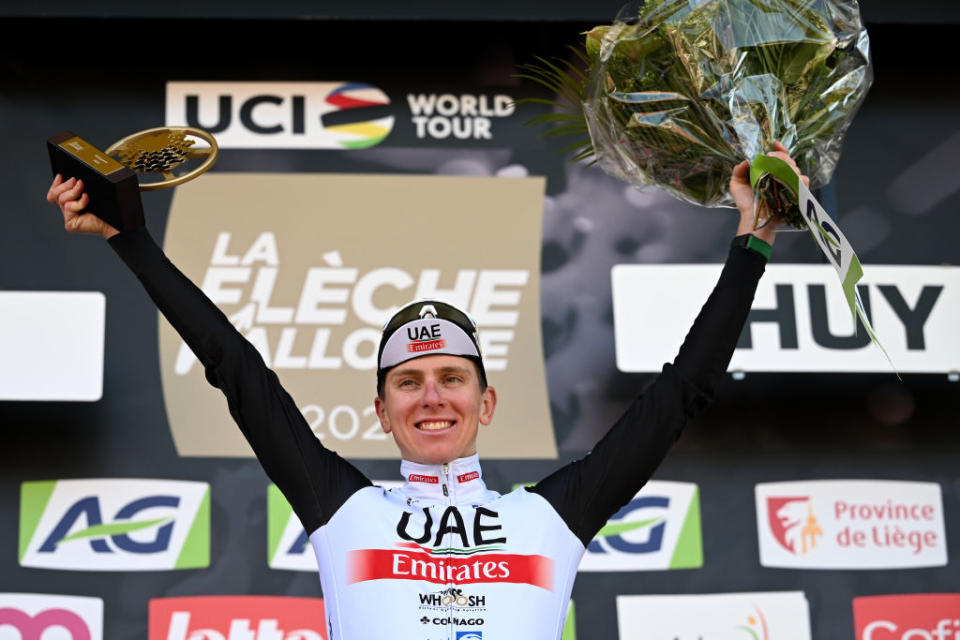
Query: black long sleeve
point(314, 479)
point(585, 493)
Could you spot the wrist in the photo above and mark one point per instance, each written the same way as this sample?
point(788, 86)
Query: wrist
point(755, 243)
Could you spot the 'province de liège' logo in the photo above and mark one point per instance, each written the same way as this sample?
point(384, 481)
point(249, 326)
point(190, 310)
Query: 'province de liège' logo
point(310, 286)
point(115, 524)
point(850, 524)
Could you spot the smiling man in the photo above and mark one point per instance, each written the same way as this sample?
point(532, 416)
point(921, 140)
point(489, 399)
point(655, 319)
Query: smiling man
point(443, 557)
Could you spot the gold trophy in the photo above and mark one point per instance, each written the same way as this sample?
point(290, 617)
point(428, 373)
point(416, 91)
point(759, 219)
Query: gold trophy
point(162, 157)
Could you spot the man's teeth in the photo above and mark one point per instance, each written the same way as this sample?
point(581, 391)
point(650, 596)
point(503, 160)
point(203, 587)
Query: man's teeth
point(435, 426)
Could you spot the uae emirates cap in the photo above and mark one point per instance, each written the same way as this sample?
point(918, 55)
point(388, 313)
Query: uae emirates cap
point(426, 328)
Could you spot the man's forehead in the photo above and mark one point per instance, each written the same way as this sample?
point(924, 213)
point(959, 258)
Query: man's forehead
point(434, 363)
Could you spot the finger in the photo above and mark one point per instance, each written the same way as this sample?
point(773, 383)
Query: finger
point(72, 193)
point(59, 189)
point(779, 147)
point(806, 181)
point(51, 195)
point(741, 171)
point(76, 206)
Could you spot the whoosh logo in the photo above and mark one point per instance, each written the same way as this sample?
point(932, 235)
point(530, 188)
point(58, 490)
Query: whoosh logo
point(283, 115)
point(32, 615)
point(658, 529)
point(933, 616)
point(115, 525)
point(794, 524)
point(237, 618)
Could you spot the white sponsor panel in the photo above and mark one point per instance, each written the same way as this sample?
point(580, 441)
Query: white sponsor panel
point(723, 616)
point(646, 533)
point(279, 115)
point(288, 546)
point(51, 345)
point(115, 524)
point(50, 617)
point(799, 321)
point(851, 524)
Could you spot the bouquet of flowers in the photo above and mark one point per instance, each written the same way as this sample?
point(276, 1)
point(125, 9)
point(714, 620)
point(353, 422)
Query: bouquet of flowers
point(678, 92)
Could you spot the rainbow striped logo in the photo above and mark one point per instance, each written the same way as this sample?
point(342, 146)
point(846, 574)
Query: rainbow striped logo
point(358, 120)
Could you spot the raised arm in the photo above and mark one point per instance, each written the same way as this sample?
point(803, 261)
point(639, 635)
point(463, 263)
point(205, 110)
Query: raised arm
point(315, 480)
point(587, 492)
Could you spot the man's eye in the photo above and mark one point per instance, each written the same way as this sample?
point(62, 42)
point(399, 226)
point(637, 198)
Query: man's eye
point(453, 379)
point(406, 383)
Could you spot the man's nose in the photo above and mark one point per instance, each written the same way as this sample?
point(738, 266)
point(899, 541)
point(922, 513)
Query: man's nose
point(431, 393)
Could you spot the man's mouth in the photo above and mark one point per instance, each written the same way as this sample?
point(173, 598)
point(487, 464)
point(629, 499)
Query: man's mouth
point(434, 425)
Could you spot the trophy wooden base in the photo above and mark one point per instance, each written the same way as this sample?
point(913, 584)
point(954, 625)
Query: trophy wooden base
point(113, 191)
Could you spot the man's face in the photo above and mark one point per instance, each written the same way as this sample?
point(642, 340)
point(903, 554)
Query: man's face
point(433, 405)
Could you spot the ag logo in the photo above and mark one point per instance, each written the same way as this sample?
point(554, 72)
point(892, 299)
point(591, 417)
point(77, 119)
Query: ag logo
point(115, 525)
point(42, 616)
point(283, 115)
point(288, 547)
point(658, 529)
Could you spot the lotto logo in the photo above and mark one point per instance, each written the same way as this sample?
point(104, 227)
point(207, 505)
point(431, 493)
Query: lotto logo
point(237, 618)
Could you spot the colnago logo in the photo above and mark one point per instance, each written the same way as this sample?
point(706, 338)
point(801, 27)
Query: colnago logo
point(282, 115)
point(115, 524)
point(933, 616)
point(751, 616)
point(237, 618)
point(311, 292)
point(800, 320)
point(462, 117)
point(658, 529)
point(794, 524)
point(41, 616)
point(477, 559)
point(288, 546)
point(850, 524)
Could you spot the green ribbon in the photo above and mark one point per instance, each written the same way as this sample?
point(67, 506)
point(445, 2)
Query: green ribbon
point(826, 233)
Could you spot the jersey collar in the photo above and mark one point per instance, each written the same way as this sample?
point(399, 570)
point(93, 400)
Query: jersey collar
point(459, 481)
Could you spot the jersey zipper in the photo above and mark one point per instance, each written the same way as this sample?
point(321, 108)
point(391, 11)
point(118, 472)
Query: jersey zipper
point(446, 543)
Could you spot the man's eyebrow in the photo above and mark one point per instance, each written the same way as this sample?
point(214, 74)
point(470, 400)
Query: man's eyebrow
point(407, 372)
point(455, 369)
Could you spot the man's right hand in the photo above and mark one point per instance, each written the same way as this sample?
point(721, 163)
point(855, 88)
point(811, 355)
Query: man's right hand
point(72, 199)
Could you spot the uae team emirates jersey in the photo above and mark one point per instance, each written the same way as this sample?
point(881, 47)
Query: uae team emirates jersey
point(443, 557)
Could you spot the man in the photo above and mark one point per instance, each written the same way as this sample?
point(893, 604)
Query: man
point(497, 566)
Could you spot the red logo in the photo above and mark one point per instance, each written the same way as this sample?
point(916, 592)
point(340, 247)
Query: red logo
point(933, 616)
point(237, 618)
point(416, 347)
point(413, 562)
point(467, 477)
point(416, 477)
point(793, 523)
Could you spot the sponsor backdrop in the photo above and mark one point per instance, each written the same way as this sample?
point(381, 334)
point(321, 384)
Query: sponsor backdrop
point(365, 163)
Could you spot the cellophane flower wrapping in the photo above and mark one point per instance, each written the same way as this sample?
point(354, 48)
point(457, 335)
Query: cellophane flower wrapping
point(681, 91)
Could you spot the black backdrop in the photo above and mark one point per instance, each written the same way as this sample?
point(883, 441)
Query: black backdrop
point(763, 428)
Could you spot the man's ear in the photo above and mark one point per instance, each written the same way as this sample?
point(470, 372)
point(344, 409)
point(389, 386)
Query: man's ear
point(488, 404)
point(382, 414)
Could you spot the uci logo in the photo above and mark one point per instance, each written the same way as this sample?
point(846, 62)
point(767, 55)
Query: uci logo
point(612, 533)
point(115, 524)
point(283, 115)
